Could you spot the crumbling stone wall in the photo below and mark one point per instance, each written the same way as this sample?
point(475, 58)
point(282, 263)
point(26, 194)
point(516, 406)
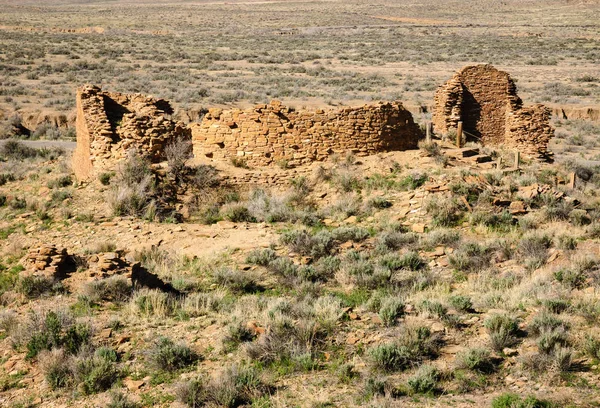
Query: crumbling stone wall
point(110, 124)
point(273, 133)
point(486, 101)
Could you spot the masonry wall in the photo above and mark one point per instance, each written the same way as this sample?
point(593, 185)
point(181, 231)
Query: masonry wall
point(268, 134)
point(486, 101)
point(109, 125)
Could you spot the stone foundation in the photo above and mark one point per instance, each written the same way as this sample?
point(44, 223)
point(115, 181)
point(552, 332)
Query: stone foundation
point(486, 101)
point(269, 134)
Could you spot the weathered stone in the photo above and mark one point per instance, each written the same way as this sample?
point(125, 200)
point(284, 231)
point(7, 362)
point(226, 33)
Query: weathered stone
point(486, 101)
point(275, 133)
point(110, 124)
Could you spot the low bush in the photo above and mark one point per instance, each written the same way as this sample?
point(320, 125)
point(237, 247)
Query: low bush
point(165, 355)
point(115, 288)
point(237, 386)
point(444, 212)
point(391, 309)
point(515, 401)
point(476, 359)
point(425, 380)
point(235, 280)
point(461, 303)
point(502, 330)
point(413, 346)
point(470, 257)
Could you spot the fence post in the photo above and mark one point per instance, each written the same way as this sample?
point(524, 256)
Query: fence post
point(517, 159)
point(428, 132)
point(572, 180)
point(459, 132)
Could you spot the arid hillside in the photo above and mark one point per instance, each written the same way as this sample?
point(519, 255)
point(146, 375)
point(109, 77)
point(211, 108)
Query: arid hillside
point(299, 204)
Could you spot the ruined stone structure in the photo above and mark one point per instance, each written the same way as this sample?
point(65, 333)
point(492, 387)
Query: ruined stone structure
point(268, 134)
point(111, 124)
point(486, 101)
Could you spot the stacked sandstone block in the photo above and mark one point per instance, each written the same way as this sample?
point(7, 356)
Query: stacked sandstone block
point(273, 133)
point(109, 125)
point(47, 260)
point(486, 101)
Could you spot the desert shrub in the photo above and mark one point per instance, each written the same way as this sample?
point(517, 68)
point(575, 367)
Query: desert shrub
point(494, 221)
point(237, 386)
point(15, 150)
point(120, 400)
point(203, 178)
point(237, 333)
point(131, 194)
point(165, 355)
point(470, 257)
point(461, 303)
point(502, 330)
point(550, 340)
point(316, 246)
point(412, 346)
point(545, 322)
point(355, 234)
point(533, 250)
point(237, 212)
point(425, 380)
point(412, 181)
point(566, 242)
point(265, 207)
point(514, 401)
point(105, 178)
point(375, 386)
point(6, 177)
point(115, 288)
point(391, 309)
point(262, 257)
point(54, 330)
point(444, 212)
point(476, 359)
point(392, 240)
point(235, 280)
point(556, 305)
point(347, 181)
point(62, 181)
point(446, 237)
point(433, 149)
point(94, 373)
point(432, 308)
point(579, 218)
point(153, 303)
point(239, 162)
point(379, 203)
point(56, 366)
point(577, 275)
point(177, 154)
point(34, 286)
point(591, 347)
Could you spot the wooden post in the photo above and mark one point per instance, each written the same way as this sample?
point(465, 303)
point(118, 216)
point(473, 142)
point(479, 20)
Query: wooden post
point(517, 159)
point(459, 134)
point(572, 179)
point(499, 163)
point(428, 132)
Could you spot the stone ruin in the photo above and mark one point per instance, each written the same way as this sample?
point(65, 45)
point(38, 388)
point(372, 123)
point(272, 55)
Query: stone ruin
point(486, 101)
point(482, 97)
point(273, 133)
point(110, 124)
